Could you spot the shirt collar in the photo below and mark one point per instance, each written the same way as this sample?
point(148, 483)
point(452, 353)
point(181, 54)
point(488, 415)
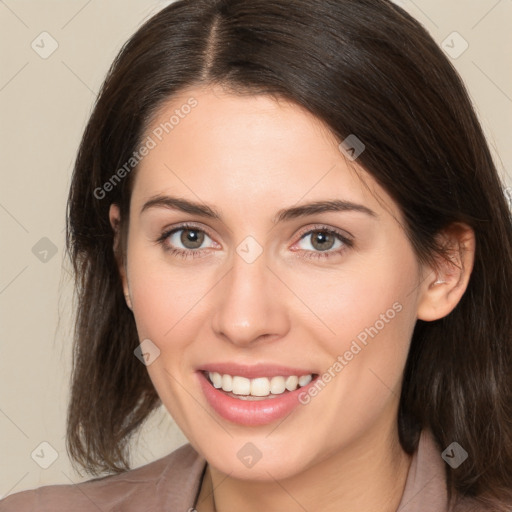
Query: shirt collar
point(425, 487)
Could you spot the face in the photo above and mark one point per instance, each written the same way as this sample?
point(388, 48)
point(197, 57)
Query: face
point(254, 286)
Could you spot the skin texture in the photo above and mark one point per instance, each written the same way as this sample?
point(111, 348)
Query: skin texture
point(248, 157)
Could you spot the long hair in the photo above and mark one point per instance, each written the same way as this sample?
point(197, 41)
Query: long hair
point(364, 67)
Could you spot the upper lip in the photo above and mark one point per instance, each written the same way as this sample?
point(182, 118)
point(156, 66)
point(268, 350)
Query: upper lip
point(256, 370)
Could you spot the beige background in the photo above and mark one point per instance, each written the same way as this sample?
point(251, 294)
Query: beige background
point(44, 105)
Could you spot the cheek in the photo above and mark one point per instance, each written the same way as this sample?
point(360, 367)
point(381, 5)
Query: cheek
point(371, 299)
point(368, 316)
point(165, 296)
point(364, 372)
point(169, 303)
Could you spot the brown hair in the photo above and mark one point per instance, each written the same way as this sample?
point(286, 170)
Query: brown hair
point(365, 67)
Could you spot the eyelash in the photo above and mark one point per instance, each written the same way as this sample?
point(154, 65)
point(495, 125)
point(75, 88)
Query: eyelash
point(194, 253)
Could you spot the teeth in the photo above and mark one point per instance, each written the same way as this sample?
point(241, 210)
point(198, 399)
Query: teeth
point(241, 386)
point(227, 382)
point(216, 379)
point(291, 382)
point(277, 385)
point(261, 386)
point(305, 379)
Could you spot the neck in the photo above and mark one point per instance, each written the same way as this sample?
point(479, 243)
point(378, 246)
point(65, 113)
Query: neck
point(369, 476)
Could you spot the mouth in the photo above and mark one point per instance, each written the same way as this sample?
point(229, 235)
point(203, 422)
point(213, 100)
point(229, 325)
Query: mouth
point(259, 388)
point(254, 395)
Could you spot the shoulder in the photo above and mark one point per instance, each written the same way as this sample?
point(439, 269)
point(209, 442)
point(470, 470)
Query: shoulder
point(426, 485)
point(151, 487)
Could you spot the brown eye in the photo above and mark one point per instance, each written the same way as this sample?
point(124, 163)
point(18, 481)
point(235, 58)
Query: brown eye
point(185, 239)
point(322, 240)
point(191, 238)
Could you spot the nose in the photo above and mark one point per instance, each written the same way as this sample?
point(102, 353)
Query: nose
point(250, 306)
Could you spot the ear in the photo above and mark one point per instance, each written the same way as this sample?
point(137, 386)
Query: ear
point(445, 284)
point(115, 222)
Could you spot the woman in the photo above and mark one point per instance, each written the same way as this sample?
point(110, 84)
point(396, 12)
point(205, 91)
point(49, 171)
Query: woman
point(287, 228)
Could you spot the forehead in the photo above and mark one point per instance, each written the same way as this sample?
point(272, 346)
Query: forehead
point(211, 145)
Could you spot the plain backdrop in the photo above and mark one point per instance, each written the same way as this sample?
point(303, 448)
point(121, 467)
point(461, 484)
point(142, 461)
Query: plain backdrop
point(54, 56)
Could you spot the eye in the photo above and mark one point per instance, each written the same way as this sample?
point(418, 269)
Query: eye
point(189, 238)
point(323, 242)
point(184, 241)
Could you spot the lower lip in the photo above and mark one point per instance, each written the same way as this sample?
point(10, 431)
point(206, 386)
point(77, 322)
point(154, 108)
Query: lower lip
point(251, 412)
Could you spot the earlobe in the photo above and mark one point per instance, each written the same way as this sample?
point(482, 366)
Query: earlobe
point(115, 222)
point(128, 300)
point(444, 286)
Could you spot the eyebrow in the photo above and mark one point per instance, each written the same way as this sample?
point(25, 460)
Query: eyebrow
point(304, 210)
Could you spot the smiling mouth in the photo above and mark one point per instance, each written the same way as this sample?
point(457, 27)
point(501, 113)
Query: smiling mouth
point(260, 388)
